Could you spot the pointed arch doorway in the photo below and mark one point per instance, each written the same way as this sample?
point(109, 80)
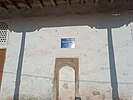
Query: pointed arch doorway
point(62, 62)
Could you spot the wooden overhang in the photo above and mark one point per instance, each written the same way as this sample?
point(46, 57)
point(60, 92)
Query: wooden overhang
point(104, 4)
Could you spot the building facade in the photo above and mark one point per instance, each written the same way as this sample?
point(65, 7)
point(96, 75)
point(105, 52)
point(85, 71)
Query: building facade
point(56, 54)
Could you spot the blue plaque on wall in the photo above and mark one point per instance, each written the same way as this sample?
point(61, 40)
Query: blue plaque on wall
point(67, 42)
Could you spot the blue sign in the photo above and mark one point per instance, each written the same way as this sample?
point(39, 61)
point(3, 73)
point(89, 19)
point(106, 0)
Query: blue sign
point(67, 42)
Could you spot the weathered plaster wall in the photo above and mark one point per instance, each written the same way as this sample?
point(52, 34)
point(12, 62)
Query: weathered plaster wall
point(10, 67)
point(42, 47)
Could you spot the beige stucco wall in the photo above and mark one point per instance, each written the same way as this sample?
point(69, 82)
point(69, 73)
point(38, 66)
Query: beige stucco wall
point(42, 47)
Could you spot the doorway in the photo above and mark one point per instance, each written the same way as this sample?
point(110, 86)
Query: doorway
point(66, 79)
point(2, 61)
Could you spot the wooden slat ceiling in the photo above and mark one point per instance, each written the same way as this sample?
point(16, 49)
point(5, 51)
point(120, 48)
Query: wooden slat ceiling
point(18, 4)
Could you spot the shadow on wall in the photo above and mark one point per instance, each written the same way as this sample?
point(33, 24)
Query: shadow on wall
point(98, 21)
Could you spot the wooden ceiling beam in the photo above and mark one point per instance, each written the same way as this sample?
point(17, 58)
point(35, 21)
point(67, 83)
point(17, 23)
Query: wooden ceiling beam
point(27, 2)
point(15, 4)
point(96, 1)
point(68, 2)
point(3, 6)
point(53, 2)
point(82, 1)
point(41, 2)
point(111, 1)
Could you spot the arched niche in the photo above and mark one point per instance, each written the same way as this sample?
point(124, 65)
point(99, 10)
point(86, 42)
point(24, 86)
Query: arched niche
point(59, 63)
point(66, 83)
